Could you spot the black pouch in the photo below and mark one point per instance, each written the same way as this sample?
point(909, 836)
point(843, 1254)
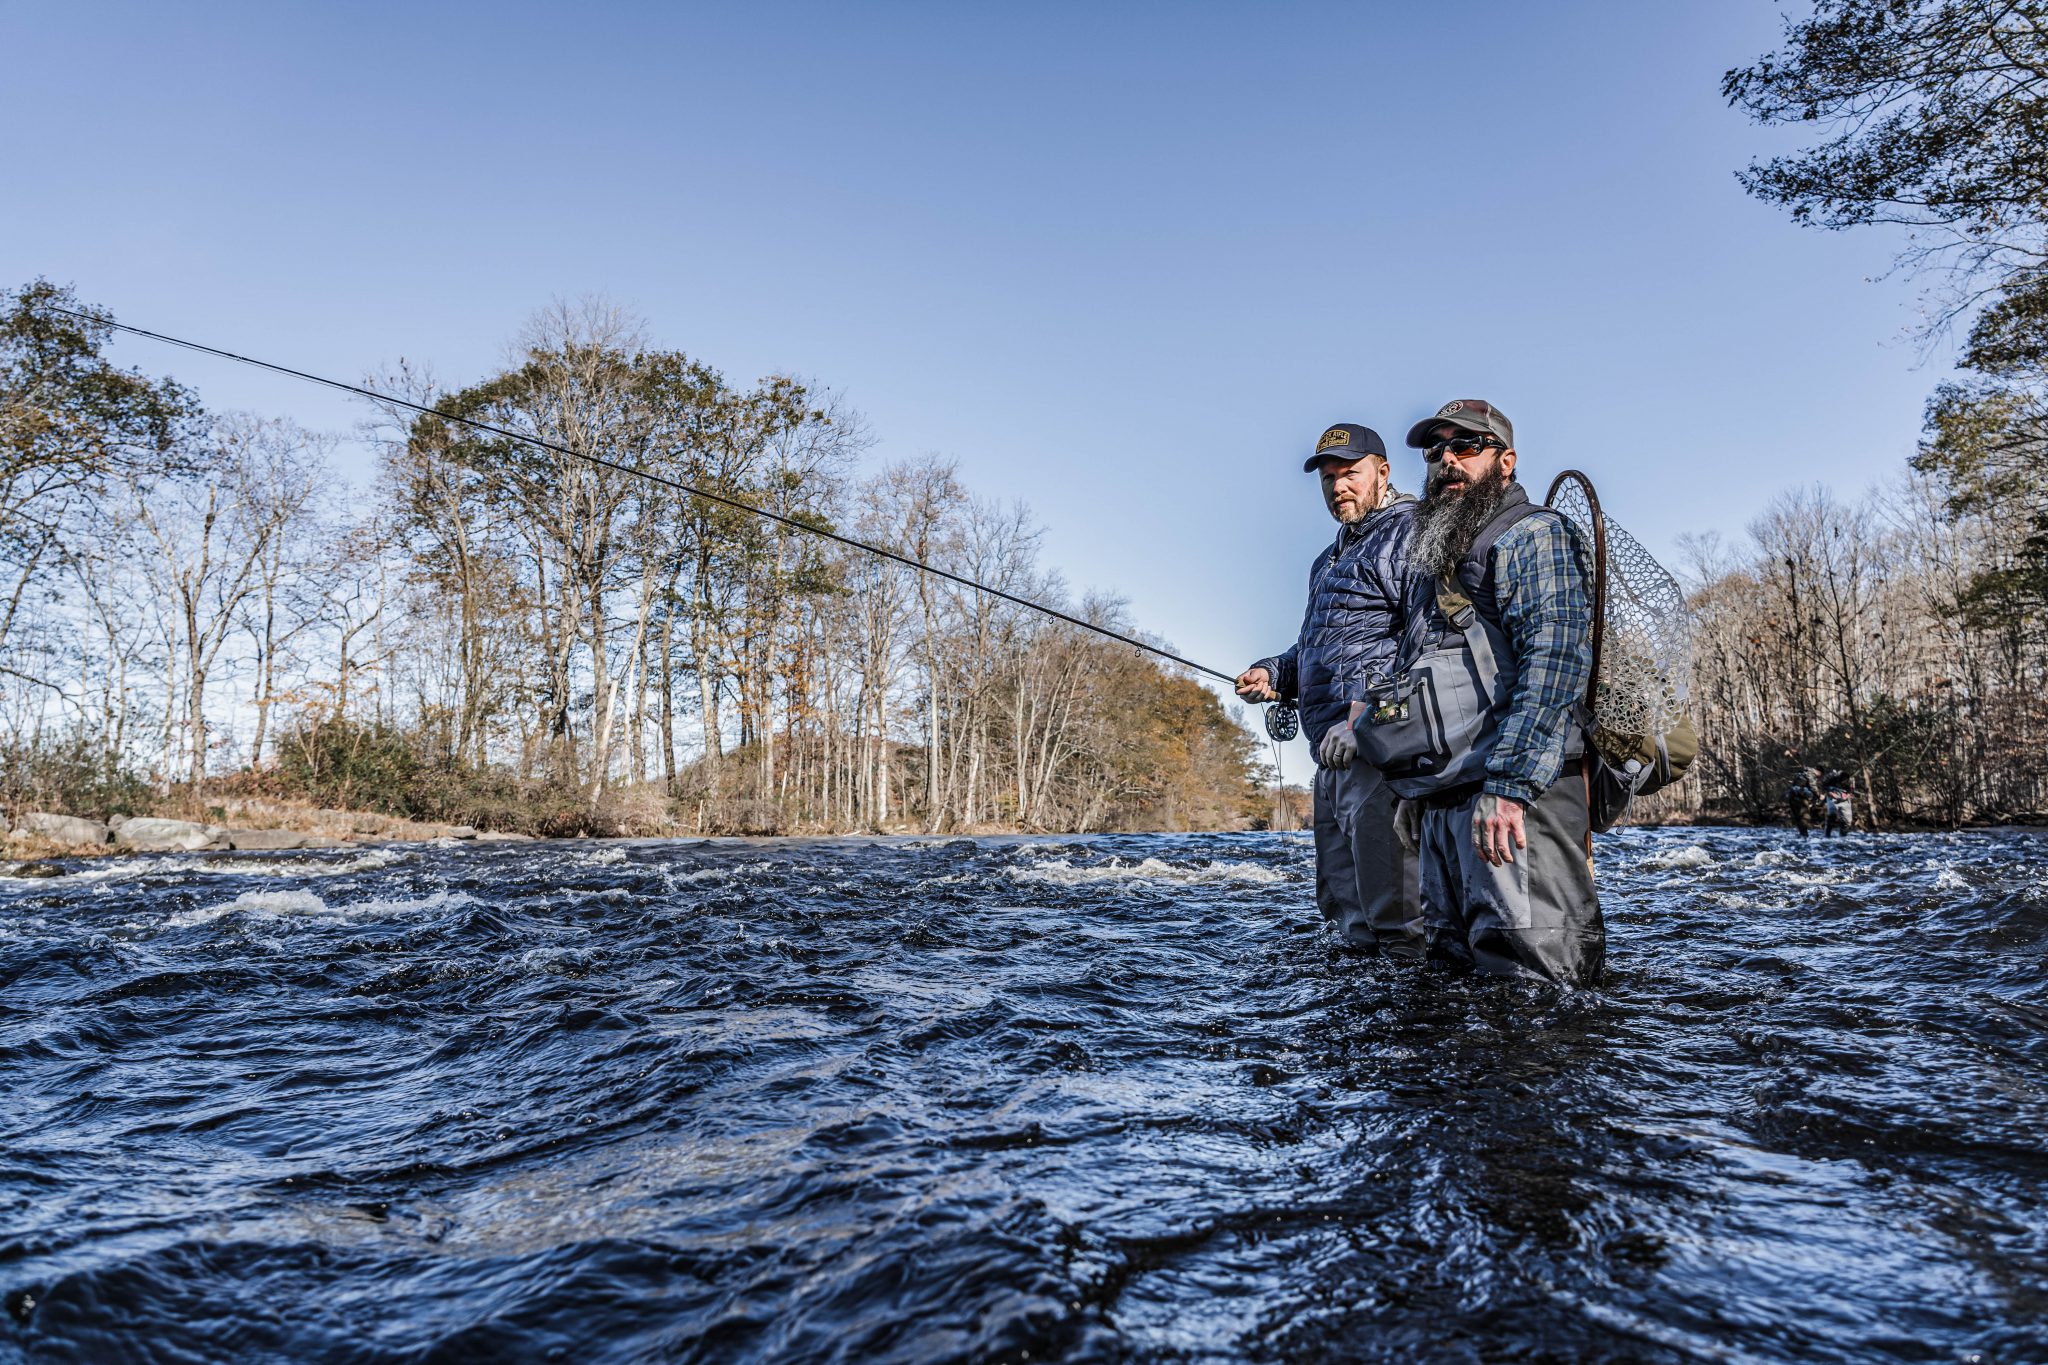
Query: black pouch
point(1405, 732)
point(1609, 790)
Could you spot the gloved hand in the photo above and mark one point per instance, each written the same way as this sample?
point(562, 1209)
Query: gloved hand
point(1408, 825)
point(1338, 748)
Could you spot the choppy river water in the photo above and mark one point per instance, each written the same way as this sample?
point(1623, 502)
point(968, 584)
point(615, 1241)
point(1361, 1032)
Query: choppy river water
point(1103, 1099)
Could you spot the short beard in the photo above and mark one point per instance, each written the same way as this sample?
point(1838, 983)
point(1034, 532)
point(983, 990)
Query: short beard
point(1361, 513)
point(1445, 523)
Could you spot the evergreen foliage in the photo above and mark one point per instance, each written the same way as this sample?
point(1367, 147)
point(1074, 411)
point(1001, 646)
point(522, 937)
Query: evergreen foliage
point(1907, 640)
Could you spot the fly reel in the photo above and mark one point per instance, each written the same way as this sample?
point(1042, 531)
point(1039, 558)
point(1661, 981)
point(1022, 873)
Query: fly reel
point(1283, 720)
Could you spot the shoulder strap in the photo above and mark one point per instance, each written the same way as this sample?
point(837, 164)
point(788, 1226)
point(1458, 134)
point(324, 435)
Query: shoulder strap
point(1514, 510)
point(1464, 618)
point(1451, 598)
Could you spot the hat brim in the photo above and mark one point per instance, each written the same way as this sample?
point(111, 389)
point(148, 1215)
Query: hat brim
point(1313, 462)
point(1418, 435)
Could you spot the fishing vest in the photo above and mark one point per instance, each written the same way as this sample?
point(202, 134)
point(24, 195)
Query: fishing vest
point(1432, 727)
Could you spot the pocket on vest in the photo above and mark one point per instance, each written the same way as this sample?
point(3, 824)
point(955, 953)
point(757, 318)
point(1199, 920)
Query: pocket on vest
point(1432, 729)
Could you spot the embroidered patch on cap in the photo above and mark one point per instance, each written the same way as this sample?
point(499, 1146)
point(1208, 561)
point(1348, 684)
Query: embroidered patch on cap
point(1335, 436)
point(1456, 405)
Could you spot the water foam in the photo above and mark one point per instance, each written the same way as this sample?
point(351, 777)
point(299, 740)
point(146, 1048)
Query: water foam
point(733, 872)
point(1690, 855)
point(287, 863)
point(284, 905)
point(273, 903)
point(1061, 872)
point(1791, 877)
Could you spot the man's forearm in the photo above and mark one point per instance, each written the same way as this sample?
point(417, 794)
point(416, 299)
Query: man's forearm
point(1528, 755)
point(1547, 616)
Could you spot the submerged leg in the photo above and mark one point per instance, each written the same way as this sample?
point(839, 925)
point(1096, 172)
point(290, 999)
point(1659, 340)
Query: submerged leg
point(1336, 871)
point(1539, 915)
point(1445, 932)
point(1389, 876)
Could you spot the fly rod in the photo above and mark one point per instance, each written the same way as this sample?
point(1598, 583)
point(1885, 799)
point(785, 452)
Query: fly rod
point(664, 480)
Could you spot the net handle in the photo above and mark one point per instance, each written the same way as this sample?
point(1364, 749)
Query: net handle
point(1557, 484)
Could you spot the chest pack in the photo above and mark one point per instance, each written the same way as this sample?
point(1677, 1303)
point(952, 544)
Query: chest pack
point(1432, 727)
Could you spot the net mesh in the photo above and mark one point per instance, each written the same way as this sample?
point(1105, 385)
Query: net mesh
point(1646, 650)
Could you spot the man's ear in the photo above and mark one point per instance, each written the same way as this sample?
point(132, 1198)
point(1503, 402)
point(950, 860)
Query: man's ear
point(1507, 462)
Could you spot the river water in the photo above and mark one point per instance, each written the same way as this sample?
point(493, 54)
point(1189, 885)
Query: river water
point(1101, 1099)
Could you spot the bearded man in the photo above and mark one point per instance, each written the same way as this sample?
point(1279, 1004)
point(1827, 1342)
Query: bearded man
point(1366, 881)
point(1506, 876)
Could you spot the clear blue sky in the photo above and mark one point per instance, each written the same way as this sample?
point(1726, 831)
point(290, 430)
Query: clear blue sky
point(1123, 261)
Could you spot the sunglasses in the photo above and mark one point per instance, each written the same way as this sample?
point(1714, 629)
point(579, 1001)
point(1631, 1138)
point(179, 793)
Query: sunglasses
point(1457, 447)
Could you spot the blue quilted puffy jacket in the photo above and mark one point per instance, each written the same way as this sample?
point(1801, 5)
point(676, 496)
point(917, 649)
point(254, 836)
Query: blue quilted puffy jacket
point(1350, 632)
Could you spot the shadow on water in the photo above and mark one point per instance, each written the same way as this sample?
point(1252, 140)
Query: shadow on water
point(1103, 1099)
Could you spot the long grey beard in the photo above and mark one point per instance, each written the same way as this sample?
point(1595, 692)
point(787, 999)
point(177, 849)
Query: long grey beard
point(1445, 523)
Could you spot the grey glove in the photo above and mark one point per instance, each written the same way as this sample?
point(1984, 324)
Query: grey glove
point(1338, 748)
point(1408, 825)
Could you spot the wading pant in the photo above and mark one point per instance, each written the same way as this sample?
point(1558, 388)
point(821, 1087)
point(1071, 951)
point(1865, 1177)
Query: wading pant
point(1367, 885)
point(1837, 817)
point(1534, 917)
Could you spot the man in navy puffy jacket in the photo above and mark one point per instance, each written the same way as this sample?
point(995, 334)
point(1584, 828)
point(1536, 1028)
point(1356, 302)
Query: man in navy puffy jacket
point(1366, 883)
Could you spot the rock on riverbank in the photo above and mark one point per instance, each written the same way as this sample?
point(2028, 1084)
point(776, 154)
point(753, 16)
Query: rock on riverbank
point(150, 835)
point(63, 829)
point(37, 834)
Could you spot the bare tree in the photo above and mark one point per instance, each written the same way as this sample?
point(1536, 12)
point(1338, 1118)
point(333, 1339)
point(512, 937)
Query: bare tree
point(210, 537)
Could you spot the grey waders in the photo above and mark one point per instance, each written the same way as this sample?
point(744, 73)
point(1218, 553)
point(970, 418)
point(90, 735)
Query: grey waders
point(1537, 916)
point(1367, 885)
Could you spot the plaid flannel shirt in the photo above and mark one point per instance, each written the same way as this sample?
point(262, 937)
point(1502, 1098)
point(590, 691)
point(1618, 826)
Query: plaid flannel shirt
point(1540, 584)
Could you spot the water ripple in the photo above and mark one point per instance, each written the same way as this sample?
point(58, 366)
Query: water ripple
point(1093, 1099)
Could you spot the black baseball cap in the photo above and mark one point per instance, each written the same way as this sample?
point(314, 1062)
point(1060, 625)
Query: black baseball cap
point(1466, 414)
point(1346, 441)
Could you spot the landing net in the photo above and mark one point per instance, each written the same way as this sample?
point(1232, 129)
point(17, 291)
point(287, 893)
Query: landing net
point(1642, 636)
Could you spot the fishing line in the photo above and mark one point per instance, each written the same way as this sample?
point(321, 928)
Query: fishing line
point(662, 479)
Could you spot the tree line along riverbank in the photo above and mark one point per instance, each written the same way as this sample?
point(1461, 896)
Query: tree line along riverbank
point(517, 640)
point(198, 608)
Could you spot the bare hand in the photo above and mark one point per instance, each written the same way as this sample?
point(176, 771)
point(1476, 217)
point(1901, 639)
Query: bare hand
point(1496, 821)
point(1256, 684)
point(1339, 747)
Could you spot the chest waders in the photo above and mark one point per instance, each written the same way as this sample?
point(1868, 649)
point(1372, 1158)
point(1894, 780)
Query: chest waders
point(1630, 734)
point(1432, 729)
